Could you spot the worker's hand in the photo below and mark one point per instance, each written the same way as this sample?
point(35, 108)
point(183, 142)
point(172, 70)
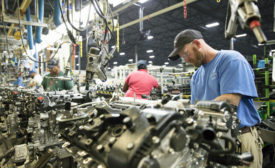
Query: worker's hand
point(231, 98)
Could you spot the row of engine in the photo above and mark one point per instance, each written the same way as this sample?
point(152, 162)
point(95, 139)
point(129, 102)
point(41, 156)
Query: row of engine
point(64, 129)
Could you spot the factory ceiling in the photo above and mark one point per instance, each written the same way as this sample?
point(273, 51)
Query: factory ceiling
point(164, 28)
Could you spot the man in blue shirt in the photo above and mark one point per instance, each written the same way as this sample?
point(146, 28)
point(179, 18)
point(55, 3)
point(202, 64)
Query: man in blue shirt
point(19, 80)
point(222, 76)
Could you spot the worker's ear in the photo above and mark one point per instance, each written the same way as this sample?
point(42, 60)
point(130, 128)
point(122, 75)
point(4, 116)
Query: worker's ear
point(197, 43)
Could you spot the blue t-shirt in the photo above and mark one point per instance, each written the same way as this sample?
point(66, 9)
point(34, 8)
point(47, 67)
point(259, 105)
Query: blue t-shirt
point(19, 82)
point(228, 72)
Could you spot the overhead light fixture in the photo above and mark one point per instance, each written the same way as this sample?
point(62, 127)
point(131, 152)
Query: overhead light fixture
point(150, 62)
point(113, 46)
point(212, 24)
point(149, 51)
point(241, 35)
point(122, 53)
point(166, 63)
point(130, 60)
point(150, 37)
point(109, 68)
point(115, 63)
point(151, 56)
point(142, 1)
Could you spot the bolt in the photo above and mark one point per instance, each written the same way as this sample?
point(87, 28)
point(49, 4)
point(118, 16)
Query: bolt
point(100, 148)
point(155, 140)
point(102, 116)
point(130, 146)
point(82, 153)
point(87, 160)
point(88, 141)
point(65, 144)
point(100, 166)
point(112, 140)
point(196, 145)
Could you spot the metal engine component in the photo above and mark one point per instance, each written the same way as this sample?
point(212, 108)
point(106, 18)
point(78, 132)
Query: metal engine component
point(142, 136)
point(21, 153)
point(31, 127)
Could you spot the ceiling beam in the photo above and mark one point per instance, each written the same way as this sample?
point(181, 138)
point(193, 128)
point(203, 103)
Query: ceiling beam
point(22, 9)
point(160, 12)
point(23, 22)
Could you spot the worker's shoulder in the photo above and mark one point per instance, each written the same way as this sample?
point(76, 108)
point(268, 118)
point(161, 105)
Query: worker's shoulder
point(231, 55)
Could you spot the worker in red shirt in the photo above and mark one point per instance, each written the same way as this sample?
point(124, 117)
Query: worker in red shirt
point(139, 82)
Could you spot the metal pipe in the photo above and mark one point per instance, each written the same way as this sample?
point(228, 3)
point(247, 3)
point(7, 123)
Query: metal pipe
point(136, 53)
point(141, 16)
point(30, 38)
point(1, 26)
point(162, 11)
point(57, 13)
point(40, 17)
point(3, 7)
point(22, 22)
point(232, 43)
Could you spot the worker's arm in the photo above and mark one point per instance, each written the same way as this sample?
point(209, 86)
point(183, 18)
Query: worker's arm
point(125, 87)
point(231, 98)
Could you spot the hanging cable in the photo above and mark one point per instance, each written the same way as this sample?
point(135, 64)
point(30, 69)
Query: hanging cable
point(100, 13)
point(69, 20)
point(70, 34)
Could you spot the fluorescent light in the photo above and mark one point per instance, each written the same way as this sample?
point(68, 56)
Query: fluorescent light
point(115, 63)
point(241, 35)
point(109, 68)
point(142, 1)
point(150, 37)
point(150, 62)
point(212, 24)
point(166, 63)
point(122, 53)
point(149, 51)
point(130, 60)
point(77, 64)
point(113, 46)
point(151, 56)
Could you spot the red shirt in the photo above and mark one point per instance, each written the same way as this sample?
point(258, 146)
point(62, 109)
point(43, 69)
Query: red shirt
point(140, 82)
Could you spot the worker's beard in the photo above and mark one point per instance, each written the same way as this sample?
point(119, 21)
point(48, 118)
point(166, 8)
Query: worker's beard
point(198, 57)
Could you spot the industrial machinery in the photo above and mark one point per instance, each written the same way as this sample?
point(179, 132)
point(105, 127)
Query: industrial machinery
point(248, 15)
point(29, 127)
point(99, 55)
point(145, 134)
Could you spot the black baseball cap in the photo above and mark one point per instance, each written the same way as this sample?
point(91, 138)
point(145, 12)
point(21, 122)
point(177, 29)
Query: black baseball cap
point(141, 64)
point(52, 63)
point(182, 39)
